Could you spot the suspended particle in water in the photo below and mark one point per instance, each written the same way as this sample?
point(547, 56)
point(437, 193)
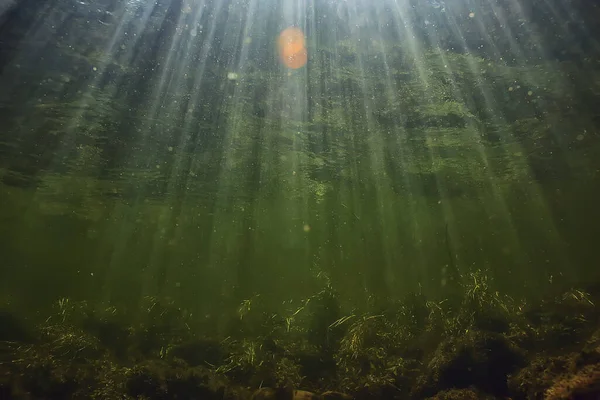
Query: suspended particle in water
point(306, 228)
point(529, 93)
point(292, 48)
point(232, 76)
point(471, 15)
point(580, 137)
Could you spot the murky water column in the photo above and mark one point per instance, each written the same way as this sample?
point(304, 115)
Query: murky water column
point(213, 151)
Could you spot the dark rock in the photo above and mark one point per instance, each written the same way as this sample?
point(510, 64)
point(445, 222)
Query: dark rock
point(532, 381)
point(304, 395)
point(267, 393)
point(331, 395)
point(461, 394)
point(480, 360)
point(590, 354)
point(377, 391)
point(582, 385)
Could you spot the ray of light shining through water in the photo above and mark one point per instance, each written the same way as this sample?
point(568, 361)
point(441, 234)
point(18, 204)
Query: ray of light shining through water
point(169, 148)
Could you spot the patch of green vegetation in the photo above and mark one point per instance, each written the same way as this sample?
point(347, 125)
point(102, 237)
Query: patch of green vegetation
point(443, 348)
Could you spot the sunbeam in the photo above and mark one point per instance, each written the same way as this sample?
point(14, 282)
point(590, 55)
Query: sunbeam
point(264, 199)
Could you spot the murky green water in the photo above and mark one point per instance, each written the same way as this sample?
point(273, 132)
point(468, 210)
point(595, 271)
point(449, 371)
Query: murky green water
point(168, 150)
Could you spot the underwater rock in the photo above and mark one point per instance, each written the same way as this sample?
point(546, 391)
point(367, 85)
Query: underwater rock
point(478, 359)
point(590, 354)
point(331, 395)
point(64, 363)
point(532, 381)
point(460, 394)
point(304, 395)
point(572, 376)
point(283, 394)
point(583, 385)
point(377, 390)
point(266, 394)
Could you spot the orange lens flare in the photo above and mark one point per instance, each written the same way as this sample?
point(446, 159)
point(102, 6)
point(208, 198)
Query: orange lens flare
point(292, 48)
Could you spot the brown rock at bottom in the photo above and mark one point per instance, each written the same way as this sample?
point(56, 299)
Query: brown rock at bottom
point(331, 395)
point(267, 393)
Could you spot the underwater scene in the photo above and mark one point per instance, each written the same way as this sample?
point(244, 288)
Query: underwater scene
point(300, 199)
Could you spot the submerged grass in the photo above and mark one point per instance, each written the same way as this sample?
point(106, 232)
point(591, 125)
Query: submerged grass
point(483, 344)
